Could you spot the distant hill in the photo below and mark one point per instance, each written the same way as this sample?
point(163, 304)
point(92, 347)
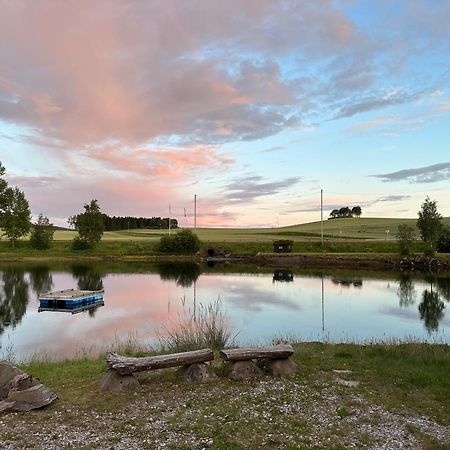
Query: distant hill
point(375, 228)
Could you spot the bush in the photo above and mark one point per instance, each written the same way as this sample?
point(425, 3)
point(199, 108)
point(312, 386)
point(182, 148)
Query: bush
point(405, 236)
point(443, 243)
point(184, 242)
point(80, 244)
point(42, 233)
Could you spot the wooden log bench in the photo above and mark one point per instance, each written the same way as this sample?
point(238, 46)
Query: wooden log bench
point(242, 362)
point(120, 376)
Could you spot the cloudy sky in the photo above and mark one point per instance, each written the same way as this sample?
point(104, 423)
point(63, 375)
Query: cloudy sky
point(253, 105)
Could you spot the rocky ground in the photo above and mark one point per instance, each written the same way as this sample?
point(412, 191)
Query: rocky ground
point(330, 412)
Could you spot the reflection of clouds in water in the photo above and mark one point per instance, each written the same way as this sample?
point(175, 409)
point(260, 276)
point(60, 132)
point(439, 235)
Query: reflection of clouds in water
point(410, 314)
point(253, 299)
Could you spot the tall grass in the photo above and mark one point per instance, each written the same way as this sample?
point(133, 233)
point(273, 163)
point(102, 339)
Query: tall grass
point(206, 328)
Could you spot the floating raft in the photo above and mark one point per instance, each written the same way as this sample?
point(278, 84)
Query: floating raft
point(70, 300)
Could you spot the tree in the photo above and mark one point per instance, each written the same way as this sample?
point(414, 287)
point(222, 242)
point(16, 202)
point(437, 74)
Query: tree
point(16, 215)
point(443, 243)
point(42, 233)
point(357, 211)
point(405, 236)
point(429, 224)
point(89, 225)
point(184, 242)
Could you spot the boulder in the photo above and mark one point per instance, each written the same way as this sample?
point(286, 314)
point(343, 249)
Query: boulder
point(112, 381)
point(198, 372)
point(7, 373)
point(244, 369)
point(283, 367)
point(20, 391)
point(33, 397)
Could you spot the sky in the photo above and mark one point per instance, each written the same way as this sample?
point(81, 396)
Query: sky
point(252, 105)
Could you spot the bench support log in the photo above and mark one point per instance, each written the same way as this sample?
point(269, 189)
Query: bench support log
point(195, 373)
point(112, 381)
point(126, 365)
point(241, 370)
point(283, 367)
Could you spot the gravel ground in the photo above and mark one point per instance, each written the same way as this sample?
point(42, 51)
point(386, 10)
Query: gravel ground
point(267, 413)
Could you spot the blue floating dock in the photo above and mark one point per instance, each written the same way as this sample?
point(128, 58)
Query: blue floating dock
point(70, 300)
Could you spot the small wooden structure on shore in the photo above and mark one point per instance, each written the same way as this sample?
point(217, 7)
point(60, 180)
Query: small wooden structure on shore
point(70, 300)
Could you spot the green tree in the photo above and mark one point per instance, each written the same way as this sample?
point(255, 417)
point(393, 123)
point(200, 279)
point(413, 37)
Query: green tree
point(42, 233)
point(89, 225)
point(16, 215)
point(405, 237)
point(443, 243)
point(429, 224)
point(357, 211)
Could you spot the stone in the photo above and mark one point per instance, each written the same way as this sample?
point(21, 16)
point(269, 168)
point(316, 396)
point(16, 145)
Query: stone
point(34, 397)
point(283, 367)
point(112, 381)
point(244, 369)
point(6, 406)
point(7, 373)
point(195, 373)
point(23, 381)
point(348, 383)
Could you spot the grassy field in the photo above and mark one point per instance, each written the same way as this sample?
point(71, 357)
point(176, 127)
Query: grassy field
point(346, 396)
point(353, 228)
point(351, 235)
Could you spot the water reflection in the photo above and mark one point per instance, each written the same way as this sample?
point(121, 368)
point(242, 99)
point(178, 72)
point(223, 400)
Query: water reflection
point(431, 310)
point(348, 282)
point(183, 273)
point(13, 297)
point(282, 275)
point(406, 292)
point(41, 279)
point(350, 306)
point(88, 278)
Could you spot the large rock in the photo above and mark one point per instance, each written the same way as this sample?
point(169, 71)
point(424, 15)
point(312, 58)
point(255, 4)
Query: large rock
point(20, 391)
point(34, 397)
point(244, 369)
point(283, 367)
point(112, 381)
point(7, 373)
point(199, 372)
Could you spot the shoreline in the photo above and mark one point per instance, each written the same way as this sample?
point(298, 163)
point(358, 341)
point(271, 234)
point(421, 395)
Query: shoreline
point(380, 261)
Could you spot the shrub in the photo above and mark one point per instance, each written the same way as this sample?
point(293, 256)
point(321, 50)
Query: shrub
point(405, 236)
point(80, 244)
point(443, 243)
point(42, 233)
point(184, 242)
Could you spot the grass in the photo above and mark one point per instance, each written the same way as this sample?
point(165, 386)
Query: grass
point(408, 379)
point(195, 330)
point(352, 235)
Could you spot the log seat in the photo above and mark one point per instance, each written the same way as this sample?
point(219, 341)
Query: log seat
point(243, 366)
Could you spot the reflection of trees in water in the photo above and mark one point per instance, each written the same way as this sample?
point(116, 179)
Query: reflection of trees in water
point(183, 273)
point(431, 309)
point(41, 279)
point(347, 282)
point(406, 292)
point(87, 278)
point(13, 297)
point(443, 287)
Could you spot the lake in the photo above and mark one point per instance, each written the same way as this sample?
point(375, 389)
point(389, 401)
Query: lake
point(142, 300)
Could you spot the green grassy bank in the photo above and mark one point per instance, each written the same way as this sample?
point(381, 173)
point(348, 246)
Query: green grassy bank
point(397, 385)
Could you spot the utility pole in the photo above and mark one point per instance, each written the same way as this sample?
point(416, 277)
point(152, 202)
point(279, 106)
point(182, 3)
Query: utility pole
point(195, 211)
point(321, 214)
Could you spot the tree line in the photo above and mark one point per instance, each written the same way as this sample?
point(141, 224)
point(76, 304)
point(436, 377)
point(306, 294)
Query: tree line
point(115, 223)
point(346, 211)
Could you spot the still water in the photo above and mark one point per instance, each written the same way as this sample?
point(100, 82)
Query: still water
point(142, 300)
